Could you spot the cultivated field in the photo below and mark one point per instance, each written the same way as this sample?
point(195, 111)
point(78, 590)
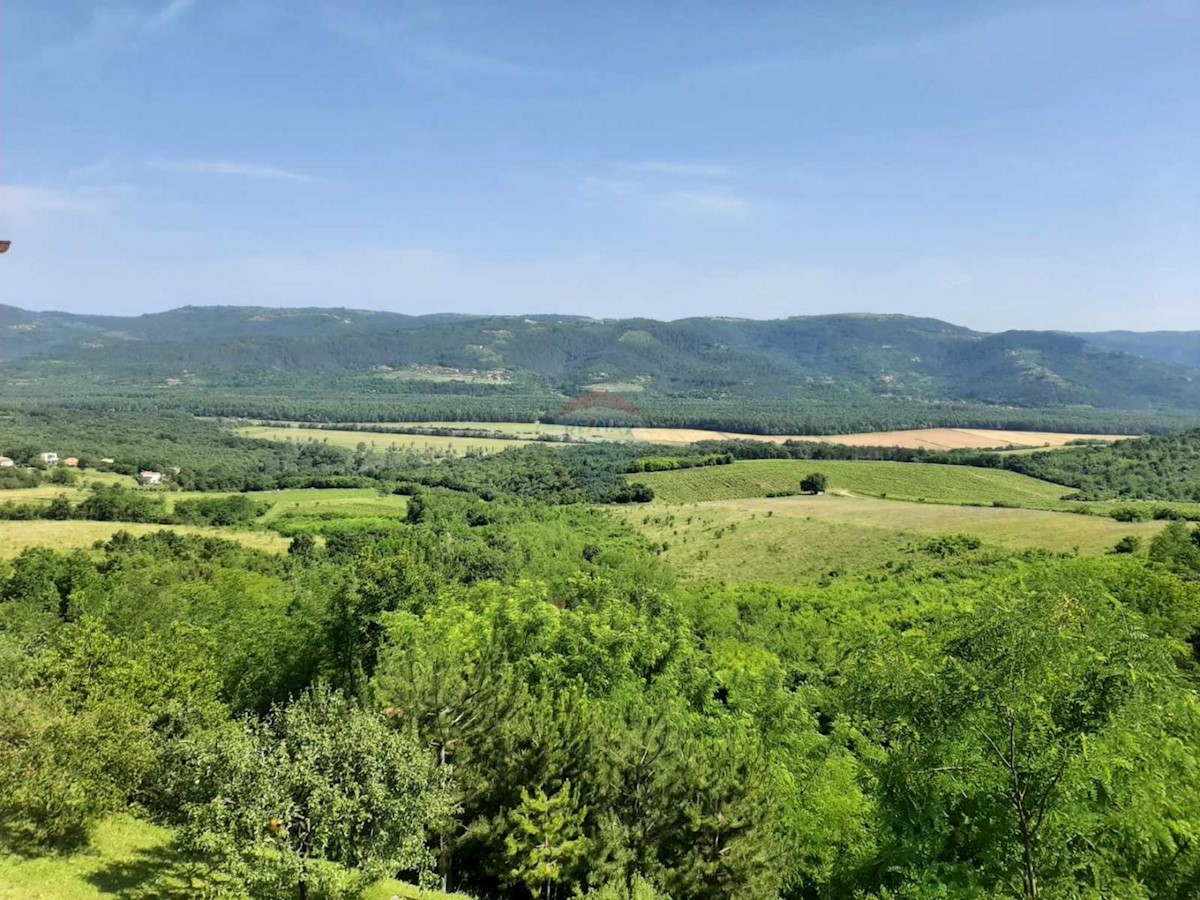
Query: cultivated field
point(921, 482)
point(963, 439)
point(527, 431)
point(928, 438)
point(798, 539)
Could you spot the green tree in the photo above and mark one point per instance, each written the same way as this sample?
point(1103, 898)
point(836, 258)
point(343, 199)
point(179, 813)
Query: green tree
point(62, 475)
point(90, 726)
point(59, 508)
point(321, 795)
point(60, 770)
point(1177, 547)
point(813, 484)
point(993, 725)
point(545, 843)
point(303, 547)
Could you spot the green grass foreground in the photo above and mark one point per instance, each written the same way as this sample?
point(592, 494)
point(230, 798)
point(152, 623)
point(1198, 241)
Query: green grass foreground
point(132, 858)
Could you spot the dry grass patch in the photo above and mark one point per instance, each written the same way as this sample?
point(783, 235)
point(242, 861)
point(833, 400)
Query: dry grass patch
point(74, 534)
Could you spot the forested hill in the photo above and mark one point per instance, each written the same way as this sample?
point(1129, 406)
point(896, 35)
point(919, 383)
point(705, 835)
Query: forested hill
point(1179, 347)
point(822, 358)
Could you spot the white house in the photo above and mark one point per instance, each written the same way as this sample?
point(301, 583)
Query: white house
point(150, 477)
point(6, 462)
point(50, 459)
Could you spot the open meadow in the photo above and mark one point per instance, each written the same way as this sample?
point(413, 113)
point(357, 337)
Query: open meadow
point(799, 539)
point(344, 502)
point(918, 482)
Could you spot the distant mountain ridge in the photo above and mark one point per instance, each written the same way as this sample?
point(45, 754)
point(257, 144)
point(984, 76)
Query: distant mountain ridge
point(810, 357)
point(1182, 348)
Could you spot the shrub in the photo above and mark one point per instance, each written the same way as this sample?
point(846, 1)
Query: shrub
point(1128, 514)
point(632, 493)
point(1131, 543)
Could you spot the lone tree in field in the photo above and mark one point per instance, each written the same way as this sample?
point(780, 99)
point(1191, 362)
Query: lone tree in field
point(813, 484)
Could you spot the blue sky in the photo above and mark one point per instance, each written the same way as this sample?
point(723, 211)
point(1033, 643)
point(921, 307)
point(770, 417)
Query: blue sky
point(996, 164)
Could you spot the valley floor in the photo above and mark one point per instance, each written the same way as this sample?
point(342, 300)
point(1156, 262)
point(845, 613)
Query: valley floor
point(926, 438)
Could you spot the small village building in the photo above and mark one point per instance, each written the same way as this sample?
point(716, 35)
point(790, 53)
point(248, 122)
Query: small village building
point(6, 462)
point(147, 477)
point(50, 459)
point(107, 461)
point(72, 461)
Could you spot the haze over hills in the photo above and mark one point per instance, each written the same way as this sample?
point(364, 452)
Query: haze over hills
point(819, 357)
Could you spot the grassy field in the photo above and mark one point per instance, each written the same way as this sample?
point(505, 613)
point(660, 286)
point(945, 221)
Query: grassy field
point(374, 440)
point(354, 501)
point(127, 858)
point(76, 491)
point(71, 535)
point(797, 539)
point(16, 536)
point(131, 858)
point(922, 482)
point(348, 502)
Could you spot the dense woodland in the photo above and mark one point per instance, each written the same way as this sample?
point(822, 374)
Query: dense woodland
point(1157, 468)
point(514, 699)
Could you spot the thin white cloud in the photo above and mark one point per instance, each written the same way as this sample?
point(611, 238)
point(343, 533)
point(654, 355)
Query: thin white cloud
point(231, 168)
point(683, 169)
point(173, 10)
point(703, 202)
point(418, 40)
point(91, 170)
point(720, 203)
point(25, 201)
